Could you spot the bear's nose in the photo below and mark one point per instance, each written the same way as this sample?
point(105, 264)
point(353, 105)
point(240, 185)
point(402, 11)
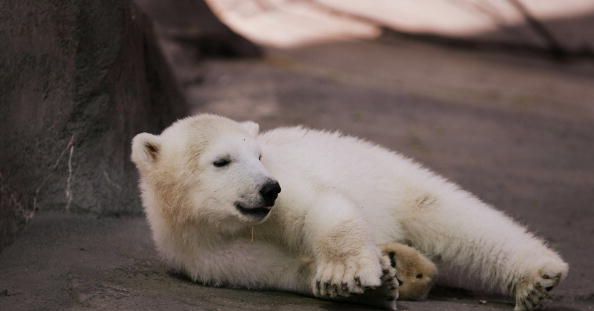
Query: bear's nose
point(270, 191)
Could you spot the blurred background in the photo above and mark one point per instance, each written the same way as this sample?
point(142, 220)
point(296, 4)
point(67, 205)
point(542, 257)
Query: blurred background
point(497, 96)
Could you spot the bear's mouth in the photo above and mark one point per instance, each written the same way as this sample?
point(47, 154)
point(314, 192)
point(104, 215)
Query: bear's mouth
point(257, 212)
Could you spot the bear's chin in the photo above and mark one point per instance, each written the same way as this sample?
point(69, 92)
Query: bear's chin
point(251, 220)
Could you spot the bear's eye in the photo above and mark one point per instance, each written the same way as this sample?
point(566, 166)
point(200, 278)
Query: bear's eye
point(419, 275)
point(221, 162)
point(260, 157)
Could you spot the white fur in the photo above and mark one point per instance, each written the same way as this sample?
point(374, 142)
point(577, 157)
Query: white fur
point(341, 197)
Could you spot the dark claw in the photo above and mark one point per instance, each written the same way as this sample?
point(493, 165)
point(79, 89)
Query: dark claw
point(326, 286)
point(344, 287)
point(548, 296)
point(357, 281)
point(387, 277)
point(318, 285)
point(332, 291)
point(392, 256)
point(533, 299)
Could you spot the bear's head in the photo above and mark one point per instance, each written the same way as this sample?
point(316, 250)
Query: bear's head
point(205, 169)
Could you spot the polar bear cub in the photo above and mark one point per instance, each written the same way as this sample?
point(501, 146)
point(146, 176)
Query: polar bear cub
point(308, 211)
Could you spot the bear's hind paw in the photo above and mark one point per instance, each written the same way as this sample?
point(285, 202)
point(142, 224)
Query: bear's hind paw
point(533, 293)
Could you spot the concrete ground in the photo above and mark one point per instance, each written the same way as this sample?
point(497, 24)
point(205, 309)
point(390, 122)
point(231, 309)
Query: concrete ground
point(518, 131)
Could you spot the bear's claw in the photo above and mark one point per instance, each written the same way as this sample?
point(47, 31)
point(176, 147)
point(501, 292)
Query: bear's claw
point(533, 293)
point(385, 295)
point(344, 276)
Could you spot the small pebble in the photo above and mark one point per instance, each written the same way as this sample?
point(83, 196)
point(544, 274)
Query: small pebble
point(482, 302)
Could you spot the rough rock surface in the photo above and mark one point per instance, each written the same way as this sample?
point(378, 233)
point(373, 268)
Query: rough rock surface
point(188, 30)
point(77, 80)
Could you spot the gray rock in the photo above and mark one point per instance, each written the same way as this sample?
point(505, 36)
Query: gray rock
point(78, 80)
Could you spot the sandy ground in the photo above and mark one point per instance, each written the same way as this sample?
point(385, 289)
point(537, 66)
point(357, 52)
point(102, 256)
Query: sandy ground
point(518, 131)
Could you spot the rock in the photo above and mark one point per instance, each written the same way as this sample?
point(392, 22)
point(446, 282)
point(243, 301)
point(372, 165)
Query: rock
point(195, 24)
point(514, 25)
point(189, 32)
point(79, 79)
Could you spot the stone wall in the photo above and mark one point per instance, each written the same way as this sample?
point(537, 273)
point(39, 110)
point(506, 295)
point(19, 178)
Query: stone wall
point(77, 80)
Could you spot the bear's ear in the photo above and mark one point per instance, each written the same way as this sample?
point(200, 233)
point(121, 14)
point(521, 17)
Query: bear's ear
point(146, 149)
point(252, 127)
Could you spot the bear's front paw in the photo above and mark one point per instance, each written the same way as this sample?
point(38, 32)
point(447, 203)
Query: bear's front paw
point(533, 290)
point(347, 275)
point(384, 296)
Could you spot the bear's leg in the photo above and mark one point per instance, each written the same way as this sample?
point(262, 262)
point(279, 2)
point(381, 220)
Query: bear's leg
point(261, 265)
point(347, 261)
point(476, 246)
point(250, 264)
